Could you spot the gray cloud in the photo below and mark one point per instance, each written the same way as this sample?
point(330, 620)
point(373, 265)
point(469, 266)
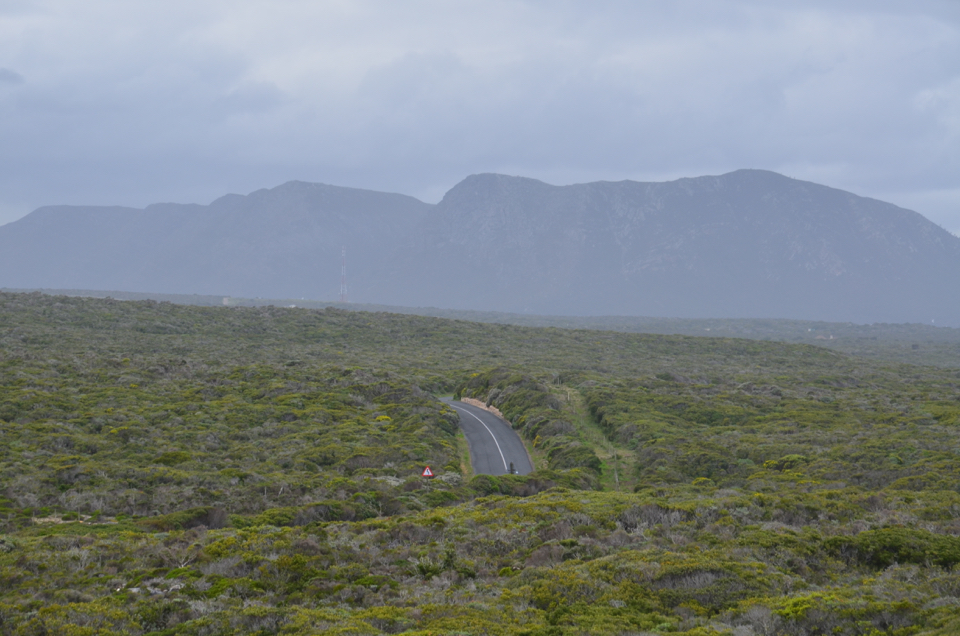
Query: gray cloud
point(10, 77)
point(188, 100)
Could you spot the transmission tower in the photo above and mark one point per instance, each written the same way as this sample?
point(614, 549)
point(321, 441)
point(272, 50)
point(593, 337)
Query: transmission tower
point(343, 274)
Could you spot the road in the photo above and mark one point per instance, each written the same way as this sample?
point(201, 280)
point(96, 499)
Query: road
point(494, 445)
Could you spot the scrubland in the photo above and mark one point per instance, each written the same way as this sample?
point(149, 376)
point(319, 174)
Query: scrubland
point(255, 470)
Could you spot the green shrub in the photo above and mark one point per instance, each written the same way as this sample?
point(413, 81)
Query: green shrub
point(884, 547)
point(208, 516)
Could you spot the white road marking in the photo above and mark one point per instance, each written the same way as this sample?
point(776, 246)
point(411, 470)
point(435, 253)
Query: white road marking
point(491, 435)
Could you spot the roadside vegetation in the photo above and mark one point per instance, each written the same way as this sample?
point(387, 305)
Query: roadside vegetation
point(167, 469)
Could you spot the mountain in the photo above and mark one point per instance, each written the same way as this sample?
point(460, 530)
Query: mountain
point(283, 242)
point(750, 243)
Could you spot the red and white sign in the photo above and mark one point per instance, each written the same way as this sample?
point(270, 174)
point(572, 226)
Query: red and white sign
point(427, 472)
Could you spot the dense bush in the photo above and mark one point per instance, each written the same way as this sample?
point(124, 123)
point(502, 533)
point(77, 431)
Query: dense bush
point(883, 547)
point(178, 470)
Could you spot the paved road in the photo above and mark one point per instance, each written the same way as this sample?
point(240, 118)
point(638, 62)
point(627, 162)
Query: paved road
point(493, 443)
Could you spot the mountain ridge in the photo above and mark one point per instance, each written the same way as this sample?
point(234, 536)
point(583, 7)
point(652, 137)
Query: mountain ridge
point(675, 240)
point(750, 243)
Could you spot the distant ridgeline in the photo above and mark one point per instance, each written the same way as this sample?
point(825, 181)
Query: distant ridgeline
point(748, 244)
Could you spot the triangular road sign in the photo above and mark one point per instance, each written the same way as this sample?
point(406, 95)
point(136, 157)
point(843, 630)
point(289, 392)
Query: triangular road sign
point(427, 472)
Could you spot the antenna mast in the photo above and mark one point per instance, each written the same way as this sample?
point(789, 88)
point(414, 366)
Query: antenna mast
point(343, 274)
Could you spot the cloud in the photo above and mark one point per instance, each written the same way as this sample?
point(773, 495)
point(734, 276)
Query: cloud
point(943, 102)
point(133, 103)
point(10, 77)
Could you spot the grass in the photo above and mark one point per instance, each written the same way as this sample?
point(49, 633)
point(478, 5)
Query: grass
point(463, 451)
point(617, 461)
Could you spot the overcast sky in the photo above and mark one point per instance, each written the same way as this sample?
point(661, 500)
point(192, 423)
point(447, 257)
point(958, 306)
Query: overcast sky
point(130, 103)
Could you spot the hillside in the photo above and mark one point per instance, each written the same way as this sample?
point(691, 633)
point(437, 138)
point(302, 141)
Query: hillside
point(285, 241)
point(905, 342)
point(748, 244)
point(255, 470)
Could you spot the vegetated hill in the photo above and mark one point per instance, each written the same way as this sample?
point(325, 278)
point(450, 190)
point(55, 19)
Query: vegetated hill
point(253, 470)
point(749, 244)
point(285, 241)
point(913, 343)
point(746, 244)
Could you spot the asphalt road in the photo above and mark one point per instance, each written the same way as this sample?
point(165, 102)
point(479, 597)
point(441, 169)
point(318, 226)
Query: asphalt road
point(494, 445)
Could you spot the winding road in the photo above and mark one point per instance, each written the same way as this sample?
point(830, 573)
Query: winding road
point(494, 445)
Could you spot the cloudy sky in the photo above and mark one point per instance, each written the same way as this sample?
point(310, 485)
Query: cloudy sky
point(129, 103)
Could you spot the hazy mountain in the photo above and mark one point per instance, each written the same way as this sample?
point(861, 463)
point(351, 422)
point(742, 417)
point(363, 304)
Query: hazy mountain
point(282, 242)
point(750, 243)
point(746, 244)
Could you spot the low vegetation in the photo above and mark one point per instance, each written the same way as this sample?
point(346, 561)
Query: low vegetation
point(906, 342)
point(209, 470)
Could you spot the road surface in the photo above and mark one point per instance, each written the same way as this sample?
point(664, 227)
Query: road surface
point(494, 445)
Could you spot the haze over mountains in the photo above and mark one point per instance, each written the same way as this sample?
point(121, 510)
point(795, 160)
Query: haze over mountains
point(750, 243)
